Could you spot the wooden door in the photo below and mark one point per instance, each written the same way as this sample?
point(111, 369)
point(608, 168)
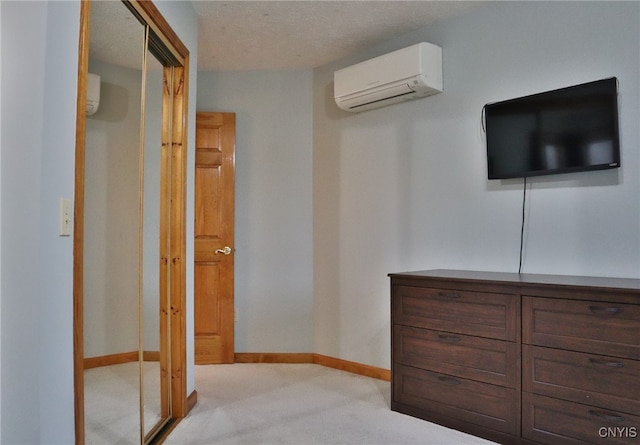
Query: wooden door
point(214, 224)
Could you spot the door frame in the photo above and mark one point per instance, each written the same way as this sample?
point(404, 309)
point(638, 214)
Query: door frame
point(175, 139)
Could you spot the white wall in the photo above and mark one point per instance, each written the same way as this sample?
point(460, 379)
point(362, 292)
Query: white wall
point(404, 187)
point(273, 258)
point(111, 213)
point(56, 253)
point(38, 91)
point(0, 225)
point(39, 55)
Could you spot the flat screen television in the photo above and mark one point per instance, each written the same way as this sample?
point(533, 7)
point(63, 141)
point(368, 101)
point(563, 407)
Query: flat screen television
point(566, 130)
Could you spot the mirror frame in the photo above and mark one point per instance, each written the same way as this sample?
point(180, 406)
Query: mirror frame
point(173, 262)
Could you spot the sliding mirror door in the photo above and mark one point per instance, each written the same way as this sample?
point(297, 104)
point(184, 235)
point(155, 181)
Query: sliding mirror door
point(129, 234)
point(155, 242)
point(112, 213)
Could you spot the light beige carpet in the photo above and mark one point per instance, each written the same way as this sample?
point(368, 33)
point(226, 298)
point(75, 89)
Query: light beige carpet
point(300, 404)
point(112, 403)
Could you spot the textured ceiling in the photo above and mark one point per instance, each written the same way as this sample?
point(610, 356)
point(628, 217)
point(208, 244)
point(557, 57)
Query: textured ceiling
point(115, 35)
point(236, 35)
point(269, 34)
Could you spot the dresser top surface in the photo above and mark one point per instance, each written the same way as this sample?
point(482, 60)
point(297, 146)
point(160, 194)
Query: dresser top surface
point(524, 279)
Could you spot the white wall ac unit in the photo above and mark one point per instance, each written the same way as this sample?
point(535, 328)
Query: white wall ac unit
point(93, 93)
point(408, 73)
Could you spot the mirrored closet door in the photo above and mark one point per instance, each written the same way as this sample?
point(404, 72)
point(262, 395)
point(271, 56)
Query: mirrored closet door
point(129, 231)
point(112, 213)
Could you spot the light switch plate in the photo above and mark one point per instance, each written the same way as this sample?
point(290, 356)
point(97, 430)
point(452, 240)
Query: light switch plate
point(65, 217)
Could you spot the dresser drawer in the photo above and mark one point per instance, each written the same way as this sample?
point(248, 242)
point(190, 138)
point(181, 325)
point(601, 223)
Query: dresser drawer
point(477, 358)
point(553, 421)
point(441, 395)
point(608, 382)
point(483, 314)
point(610, 329)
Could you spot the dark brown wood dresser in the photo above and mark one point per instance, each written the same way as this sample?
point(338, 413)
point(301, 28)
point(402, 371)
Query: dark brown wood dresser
point(518, 358)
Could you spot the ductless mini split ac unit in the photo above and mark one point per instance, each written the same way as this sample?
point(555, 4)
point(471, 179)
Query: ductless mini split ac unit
point(93, 93)
point(408, 73)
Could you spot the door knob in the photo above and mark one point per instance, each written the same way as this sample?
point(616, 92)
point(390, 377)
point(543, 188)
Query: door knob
point(225, 251)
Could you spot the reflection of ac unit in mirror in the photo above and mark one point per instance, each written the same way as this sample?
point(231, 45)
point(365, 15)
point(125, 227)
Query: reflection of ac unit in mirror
point(93, 93)
point(408, 73)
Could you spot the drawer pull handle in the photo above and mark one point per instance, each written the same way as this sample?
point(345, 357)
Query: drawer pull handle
point(606, 416)
point(606, 310)
point(597, 361)
point(449, 338)
point(449, 295)
point(449, 380)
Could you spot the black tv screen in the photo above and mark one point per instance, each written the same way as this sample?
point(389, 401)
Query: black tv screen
point(566, 130)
